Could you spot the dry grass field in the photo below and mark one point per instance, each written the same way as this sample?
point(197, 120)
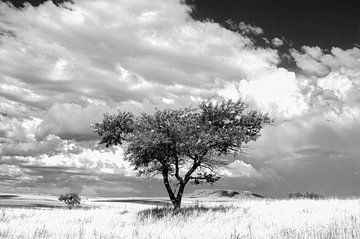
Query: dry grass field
point(265, 218)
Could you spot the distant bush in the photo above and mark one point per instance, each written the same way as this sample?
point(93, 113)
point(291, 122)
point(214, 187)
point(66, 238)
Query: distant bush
point(70, 199)
point(310, 195)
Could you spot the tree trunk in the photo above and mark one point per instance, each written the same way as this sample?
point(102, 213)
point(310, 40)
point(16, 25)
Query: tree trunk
point(176, 199)
point(177, 204)
point(169, 190)
point(179, 195)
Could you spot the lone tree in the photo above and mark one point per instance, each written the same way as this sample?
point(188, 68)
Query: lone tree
point(70, 199)
point(183, 145)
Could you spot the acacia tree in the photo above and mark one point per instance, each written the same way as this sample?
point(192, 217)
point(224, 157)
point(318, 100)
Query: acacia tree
point(70, 199)
point(183, 145)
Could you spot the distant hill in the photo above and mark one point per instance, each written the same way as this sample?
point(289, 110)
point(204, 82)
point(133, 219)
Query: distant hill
point(222, 193)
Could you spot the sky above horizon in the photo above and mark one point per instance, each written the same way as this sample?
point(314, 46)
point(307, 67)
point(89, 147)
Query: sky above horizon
point(62, 66)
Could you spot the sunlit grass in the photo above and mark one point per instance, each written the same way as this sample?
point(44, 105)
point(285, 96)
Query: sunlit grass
point(330, 218)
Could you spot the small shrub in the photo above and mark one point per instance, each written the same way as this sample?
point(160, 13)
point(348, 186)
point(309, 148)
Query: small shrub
point(309, 195)
point(70, 199)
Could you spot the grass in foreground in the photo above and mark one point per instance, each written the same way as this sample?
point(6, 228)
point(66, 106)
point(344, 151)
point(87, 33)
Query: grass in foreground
point(243, 219)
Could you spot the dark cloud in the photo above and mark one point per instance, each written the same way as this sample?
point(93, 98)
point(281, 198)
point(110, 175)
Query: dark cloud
point(50, 146)
point(35, 3)
point(318, 155)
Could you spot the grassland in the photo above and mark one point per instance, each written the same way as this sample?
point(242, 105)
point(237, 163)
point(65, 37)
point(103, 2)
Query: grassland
point(330, 218)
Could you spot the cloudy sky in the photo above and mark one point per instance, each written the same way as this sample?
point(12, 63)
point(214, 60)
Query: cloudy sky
point(62, 66)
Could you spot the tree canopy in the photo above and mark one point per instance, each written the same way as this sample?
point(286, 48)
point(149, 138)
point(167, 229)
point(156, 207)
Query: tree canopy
point(70, 199)
point(183, 145)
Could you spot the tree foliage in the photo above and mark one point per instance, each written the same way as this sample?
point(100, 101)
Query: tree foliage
point(183, 145)
point(70, 199)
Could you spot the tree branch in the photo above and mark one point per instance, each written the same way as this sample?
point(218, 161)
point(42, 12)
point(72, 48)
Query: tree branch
point(177, 175)
point(209, 178)
point(196, 164)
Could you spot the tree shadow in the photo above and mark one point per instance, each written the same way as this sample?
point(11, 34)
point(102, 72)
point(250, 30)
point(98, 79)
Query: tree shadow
point(44, 206)
point(161, 212)
point(8, 196)
point(31, 205)
point(139, 201)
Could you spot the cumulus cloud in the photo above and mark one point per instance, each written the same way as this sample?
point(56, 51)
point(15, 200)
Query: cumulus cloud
point(68, 65)
point(310, 64)
point(71, 121)
point(243, 28)
point(313, 60)
point(51, 145)
point(247, 28)
point(277, 42)
point(70, 169)
point(64, 67)
point(240, 169)
point(273, 90)
point(330, 80)
point(314, 147)
point(316, 151)
point(61, 69)
point(99, 159)
point(148, 50)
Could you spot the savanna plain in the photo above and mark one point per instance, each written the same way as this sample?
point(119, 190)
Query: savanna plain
point(230, 219)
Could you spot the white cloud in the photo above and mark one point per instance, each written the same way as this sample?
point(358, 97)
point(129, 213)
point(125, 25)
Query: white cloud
point(331, 80)
point(247, 28)
point(18, 129)
point(59, 69)
point(336, 82)
point(240, 169)
point(309, 64)
point(314, 61)
point(68, 67)
point(314, 52)
point(275, 91)
point(50, 145)
point(109, 161)
point(277, 42)
point(168, 101)
point(120, 50)
point(71, 121)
